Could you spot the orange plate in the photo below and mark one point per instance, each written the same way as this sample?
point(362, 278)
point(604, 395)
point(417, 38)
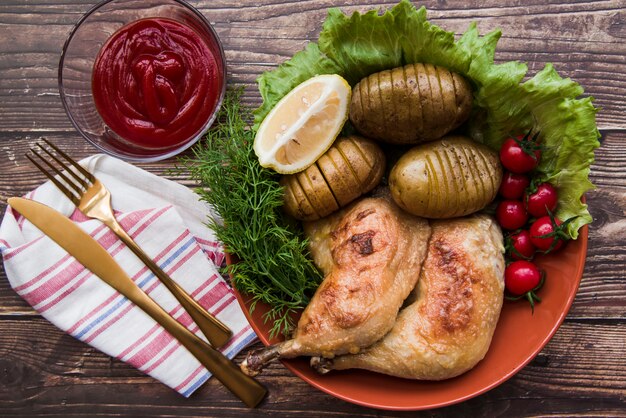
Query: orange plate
point(518, 338)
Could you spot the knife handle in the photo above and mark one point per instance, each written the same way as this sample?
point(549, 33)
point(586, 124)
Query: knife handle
point(246, 388)
point(216, 332)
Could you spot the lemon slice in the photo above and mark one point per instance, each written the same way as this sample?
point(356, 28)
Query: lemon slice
point(303, 124)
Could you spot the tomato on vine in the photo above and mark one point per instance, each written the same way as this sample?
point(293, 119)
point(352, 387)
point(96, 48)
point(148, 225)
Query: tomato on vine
point(522, 279)
point(549, 233)
point(513, 185)
point(519, 246)
point(511, 214)
point(542, 200)
point(521, 155)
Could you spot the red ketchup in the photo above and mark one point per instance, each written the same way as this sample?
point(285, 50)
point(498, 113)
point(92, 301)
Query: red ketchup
point(156, 82)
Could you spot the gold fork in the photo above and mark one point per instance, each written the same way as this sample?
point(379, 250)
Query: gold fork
point(94, 200)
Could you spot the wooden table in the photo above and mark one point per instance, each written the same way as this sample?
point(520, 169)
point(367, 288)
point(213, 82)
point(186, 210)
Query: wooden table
point(582, 371)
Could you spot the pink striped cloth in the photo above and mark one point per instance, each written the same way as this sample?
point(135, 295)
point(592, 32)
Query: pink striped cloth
point(167, 220)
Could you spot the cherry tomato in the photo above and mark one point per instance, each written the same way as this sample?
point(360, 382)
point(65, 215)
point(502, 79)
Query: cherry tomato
point(513, 185)
point(519, 245)
point(520, 155)
point(521, 277)
point(547, 234)
point(511, 214)
point(542, 201)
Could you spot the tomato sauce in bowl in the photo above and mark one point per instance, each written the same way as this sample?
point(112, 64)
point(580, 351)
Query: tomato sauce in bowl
point(156, 83)
point(142, 80)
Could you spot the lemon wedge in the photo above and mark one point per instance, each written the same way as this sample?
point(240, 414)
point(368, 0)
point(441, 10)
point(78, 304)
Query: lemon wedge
point(303, 124)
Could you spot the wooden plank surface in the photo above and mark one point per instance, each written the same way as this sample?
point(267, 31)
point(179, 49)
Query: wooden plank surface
point(581, 372)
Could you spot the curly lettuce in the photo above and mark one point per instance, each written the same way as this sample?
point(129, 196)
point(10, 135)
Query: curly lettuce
point(504, 104)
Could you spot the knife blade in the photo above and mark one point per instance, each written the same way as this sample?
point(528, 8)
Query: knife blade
point(95, 258)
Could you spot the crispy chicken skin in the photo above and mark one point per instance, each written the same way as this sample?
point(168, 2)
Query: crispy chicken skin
point(371, 255)
point(448, 328)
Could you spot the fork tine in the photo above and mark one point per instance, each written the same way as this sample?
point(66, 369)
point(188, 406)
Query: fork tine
point(81, 180)
point(75, 200)
point(71, 161)
point(78, 188)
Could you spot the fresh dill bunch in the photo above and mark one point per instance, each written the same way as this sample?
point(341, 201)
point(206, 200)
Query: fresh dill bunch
point(273, 263)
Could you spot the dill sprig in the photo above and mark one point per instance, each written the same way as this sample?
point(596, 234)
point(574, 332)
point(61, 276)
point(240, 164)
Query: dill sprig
point(273, 264)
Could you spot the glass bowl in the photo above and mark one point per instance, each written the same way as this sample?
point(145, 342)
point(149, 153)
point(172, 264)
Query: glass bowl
point(76, 78)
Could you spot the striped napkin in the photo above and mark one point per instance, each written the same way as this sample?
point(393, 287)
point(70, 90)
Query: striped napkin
point(167, 220)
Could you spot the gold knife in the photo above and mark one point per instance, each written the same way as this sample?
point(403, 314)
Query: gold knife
point(95, 258)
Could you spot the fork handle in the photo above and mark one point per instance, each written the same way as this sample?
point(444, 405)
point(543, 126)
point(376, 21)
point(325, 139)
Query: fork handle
point(216, 332)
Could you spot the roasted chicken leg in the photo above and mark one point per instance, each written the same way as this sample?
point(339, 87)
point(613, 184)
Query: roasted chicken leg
point(448, 328)
point(371, 255)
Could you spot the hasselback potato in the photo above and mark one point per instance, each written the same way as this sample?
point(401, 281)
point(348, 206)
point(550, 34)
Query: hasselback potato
point(452, 177)
point(351, 167)
point(410, 104)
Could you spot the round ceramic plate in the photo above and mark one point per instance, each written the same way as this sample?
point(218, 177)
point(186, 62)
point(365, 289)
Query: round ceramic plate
point(519, 337)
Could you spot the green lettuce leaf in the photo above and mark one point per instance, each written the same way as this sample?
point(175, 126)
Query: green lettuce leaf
point(504, 104)
point(569, 137)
